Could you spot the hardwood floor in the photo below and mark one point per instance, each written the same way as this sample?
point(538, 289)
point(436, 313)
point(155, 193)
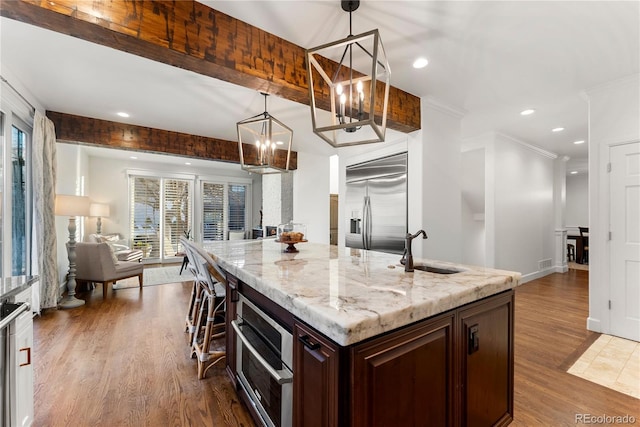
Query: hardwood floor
point(125, 362)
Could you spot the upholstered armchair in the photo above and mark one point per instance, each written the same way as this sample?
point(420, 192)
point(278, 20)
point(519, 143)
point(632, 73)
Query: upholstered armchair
point(120, 247)
point(95, 262)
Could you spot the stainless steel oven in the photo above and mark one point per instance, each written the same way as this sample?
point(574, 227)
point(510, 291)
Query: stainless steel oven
point(264, 363)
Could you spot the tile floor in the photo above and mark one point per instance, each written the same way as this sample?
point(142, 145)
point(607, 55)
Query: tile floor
point(611, 362)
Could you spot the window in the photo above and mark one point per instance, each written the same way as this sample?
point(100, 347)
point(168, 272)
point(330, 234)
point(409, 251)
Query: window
point(16, 122)
point(224, 209)
point(237, 206)
point(177, 214)
point(160, 213)
point(212, 211)
point(19, 202)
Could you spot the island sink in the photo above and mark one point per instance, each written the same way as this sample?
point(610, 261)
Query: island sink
point(437, 270)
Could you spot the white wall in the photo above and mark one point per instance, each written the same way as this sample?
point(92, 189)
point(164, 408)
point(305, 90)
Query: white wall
point(473, 207)
point(114, 172)
point(105, 180)
point(440, 161)
point(272, 199)
point(311, 195)
point(520, 201)
point(614, 118)
point(577, 205)
point(72, 178)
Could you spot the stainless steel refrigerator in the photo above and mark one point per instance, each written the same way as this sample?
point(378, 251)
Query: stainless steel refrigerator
point(376, 204)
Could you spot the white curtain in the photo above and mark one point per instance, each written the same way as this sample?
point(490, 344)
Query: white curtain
point(44, 186)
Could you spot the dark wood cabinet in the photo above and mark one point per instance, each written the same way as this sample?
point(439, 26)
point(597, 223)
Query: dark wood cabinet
point(450, 370)
point(230, 335)
point(486, 354)
point(316, 378)
point(405, 378)
point(454, 369)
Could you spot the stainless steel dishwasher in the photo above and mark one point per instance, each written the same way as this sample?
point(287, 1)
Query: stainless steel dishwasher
point(8, 314)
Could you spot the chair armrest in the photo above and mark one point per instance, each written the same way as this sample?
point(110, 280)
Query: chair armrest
point(119, 247)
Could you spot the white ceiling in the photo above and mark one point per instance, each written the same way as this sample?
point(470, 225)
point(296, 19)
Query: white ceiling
point(488, 59)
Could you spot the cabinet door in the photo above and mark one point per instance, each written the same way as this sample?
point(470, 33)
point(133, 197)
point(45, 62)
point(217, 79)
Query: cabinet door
point(486, 330)
point(230, 334)
point(405, 378)
point(21, 372)
point(316, 379)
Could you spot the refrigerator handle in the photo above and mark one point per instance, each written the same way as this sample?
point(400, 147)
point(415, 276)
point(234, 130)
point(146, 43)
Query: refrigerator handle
point(364, 222)
point(366, 215)
point(369, 223)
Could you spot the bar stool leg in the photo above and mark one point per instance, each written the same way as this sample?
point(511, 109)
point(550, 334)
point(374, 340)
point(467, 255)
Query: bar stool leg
point(207, 329)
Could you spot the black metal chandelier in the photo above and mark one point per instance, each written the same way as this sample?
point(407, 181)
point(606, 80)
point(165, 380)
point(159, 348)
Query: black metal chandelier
point(354, 74)
point(264, 143)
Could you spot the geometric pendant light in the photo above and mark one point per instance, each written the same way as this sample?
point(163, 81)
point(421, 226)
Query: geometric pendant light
point(264, 143)
point(350, 79)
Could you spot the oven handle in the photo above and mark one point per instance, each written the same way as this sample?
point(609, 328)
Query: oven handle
point(280, 379)
point(10, 318)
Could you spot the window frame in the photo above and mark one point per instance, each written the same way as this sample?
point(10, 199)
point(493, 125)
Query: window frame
point(226, 181)
point(161, 177)
point(9, 120)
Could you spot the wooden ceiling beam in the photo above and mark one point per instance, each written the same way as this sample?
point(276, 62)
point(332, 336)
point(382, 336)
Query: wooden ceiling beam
point(102, 133)
point(192, 36)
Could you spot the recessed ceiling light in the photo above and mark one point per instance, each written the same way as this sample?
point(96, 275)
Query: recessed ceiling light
point(557, 129)
point(420, 62)
point(123, 114)
point(133, 157)
point(579, 142)
point(527, 112)
point(187, 163)
point(574, 172)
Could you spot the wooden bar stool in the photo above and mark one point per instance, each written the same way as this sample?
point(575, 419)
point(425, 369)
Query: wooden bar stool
point(571, 252)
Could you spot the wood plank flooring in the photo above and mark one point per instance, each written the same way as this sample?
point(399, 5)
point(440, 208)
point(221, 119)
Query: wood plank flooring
point(125, 362)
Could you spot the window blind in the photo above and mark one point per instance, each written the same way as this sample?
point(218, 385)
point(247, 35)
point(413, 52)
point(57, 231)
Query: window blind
point(177, 217)
point(213, 211)
point(237, 207)
point(144, 205)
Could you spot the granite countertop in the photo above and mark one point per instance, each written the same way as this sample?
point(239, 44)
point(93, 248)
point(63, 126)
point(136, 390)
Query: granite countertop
point(12, 286)
point(352, 294)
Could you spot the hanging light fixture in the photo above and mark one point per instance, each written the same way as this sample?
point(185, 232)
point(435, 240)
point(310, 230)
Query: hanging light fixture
point(353, 73)
point(264, 143)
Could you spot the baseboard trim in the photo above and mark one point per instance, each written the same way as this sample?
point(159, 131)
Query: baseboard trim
point(561, 268)
point(594, 325)
point(537, 274)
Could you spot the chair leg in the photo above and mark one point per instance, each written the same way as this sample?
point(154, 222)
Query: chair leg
point(104, 290)
point(140, 280)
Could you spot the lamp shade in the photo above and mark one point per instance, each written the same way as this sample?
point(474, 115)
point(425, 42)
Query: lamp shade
point(70, 205)
point(99, 209)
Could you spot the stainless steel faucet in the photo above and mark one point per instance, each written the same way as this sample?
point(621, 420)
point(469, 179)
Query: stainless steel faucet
point(407, 256)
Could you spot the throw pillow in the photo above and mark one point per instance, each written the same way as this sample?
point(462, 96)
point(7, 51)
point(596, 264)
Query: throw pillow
point(113, 254)
point(110, 238)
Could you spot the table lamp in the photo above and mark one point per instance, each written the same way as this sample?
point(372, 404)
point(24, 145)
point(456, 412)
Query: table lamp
point(99, 210)
point(71, 206)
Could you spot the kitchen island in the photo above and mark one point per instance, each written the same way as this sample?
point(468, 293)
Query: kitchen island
point(375, 345)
